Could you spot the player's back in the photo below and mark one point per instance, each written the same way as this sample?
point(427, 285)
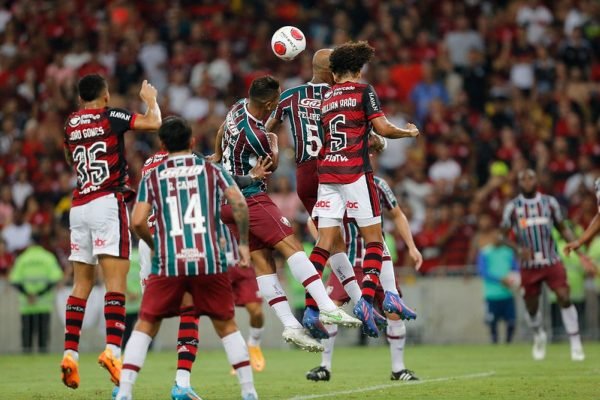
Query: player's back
point(94, 139)
point(301, 105)
point(244, 140)
point(185, 192)
point(345, 114)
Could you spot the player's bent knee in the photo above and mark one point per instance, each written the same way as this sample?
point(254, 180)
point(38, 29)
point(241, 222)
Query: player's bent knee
point(224, 328)
point(147, 327)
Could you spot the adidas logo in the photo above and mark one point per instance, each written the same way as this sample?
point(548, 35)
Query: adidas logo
point(182, 349)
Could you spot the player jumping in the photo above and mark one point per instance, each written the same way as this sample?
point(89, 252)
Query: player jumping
point(185, 192)
point(99, 221)
point(346, 185)
point(241, 140)
point(531, 216)
point(301, 106)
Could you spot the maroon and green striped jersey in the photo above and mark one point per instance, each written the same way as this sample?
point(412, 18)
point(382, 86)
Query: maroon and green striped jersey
point(346, 113)
point(301, 105)
point(244, 140)
point(532, 221)
point(185, 193)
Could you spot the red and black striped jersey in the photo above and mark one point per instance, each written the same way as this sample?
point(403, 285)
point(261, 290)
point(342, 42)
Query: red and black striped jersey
point(532, 221)
point(94, 139)
point(151, 163)
point(346, 112)
point(185, 193)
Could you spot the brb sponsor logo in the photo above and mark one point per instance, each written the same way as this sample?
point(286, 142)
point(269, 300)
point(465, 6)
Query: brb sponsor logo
point(99, 242)
point(74, 247)
point(326, 204)
point(352, 205)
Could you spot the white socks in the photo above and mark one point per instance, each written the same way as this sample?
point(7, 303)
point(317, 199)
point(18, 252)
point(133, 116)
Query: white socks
point(72, 353)
point(135, 355)
point(571, 323)
point(255, 336)
point(116, 350)
point(237, 354)
point(182, 378)
point(535, 322)
point(327, 354)
point(341, 267)
point(396, 336)
point(304, 272)
point(387, 277)
point(273, 293)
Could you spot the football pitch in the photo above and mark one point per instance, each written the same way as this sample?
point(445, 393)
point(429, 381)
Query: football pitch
point(457, 372)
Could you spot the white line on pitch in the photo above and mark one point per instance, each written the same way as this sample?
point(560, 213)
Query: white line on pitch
point(398, 384)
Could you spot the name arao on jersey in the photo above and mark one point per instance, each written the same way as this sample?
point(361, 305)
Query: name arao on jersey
point(342, 103)
point(179, 172)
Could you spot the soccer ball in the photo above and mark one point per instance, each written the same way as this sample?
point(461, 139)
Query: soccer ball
point(288, 42)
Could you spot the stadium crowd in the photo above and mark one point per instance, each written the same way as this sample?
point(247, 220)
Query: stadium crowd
point(495, 86)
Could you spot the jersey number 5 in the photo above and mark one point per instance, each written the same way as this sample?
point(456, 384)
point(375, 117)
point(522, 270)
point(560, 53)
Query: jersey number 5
point(313, 141)
point(339, 139)
point(192, 216)
point(89, 168)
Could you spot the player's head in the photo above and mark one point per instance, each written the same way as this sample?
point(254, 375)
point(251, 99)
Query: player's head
point(93, 87)
point(347, 60)
point(264, 92)
point(175, 134)
point(528, 182)
point(320, 66)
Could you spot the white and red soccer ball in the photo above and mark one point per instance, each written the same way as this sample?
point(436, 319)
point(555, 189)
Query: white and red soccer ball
point(288, 42)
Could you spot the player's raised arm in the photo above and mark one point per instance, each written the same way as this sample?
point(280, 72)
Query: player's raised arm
point(385, 128)
point(152, 119)
point(592, 230)
point(403, 228)
point(218, 156)
point(240, 215)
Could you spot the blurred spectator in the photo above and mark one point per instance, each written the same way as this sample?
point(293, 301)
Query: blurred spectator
point(427, 90)
point(444, 171)
point(34, 275)
point(6, 260)
point(583, 178)
point(154, 59)
point(535, 17)
point(456, 240)
point(21, 189)
point(427, 241)
point(17, 234)
point(576, 51)
point(178, 92)
point(497, 266)
point(460, 41)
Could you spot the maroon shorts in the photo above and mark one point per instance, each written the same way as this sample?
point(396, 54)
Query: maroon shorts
point(555, 277)
point(212, 296)
point(244, 285)
point(267, 225)
point(336, 290)
point(307, 184)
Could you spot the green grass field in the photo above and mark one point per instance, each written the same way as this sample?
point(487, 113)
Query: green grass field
point(446, 372)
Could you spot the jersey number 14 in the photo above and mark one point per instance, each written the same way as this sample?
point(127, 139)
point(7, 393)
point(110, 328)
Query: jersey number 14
point(192, 215)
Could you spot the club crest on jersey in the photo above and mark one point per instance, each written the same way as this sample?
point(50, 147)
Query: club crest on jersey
point(73, 122)
point(285, 221)
point(328, 94)
point(312, 103)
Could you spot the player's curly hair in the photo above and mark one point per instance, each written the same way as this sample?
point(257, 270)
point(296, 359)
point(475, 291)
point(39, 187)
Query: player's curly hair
point(350, 57)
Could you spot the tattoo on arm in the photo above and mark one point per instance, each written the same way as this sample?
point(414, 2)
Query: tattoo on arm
point(240, 214)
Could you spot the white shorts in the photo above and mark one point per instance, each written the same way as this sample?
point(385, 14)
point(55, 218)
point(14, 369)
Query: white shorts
point(145, 256)
point(359, 200)
point(100, 227)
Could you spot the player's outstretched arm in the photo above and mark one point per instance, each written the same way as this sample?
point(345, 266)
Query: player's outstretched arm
point(240, 215)
point(139, 222)
point(218, 156)
point(273, 125)
point(385, 128)
point(592, 230)
point(274, 142)
point(403, 228)
point(259, 172)
point(152, 119)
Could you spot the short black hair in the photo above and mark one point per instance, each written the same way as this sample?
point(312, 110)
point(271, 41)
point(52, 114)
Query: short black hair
point(263, 89)
point(175, 134)
point(350, 57)
point(91, 87)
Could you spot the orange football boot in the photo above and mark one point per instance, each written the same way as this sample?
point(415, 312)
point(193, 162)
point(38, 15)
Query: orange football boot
point(112, 364)
point(70, 371)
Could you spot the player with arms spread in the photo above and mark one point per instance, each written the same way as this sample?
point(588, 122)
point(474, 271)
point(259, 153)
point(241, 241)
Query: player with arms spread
point(241, 140)
point(531, 216)
point(99, 221)
point(185, 193)
point(346, 186)
point(301, 105)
